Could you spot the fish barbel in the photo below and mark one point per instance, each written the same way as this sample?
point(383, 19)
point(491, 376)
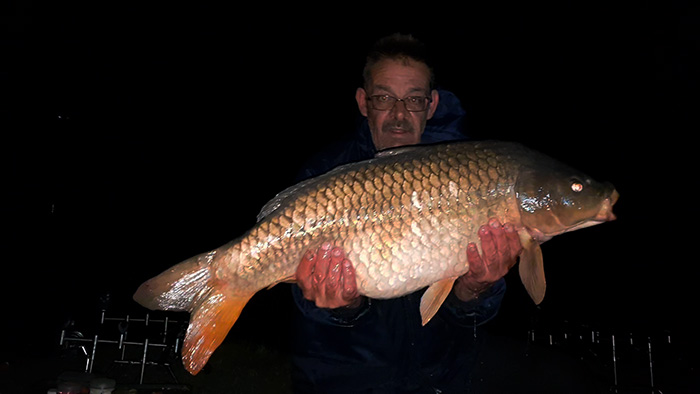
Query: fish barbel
point(404, 220)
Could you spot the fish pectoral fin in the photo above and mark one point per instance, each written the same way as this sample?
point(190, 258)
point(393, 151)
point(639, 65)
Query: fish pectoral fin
point(434, 297)
point(532, 267)
point(209, 324)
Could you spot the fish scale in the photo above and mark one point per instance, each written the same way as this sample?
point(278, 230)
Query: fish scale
point(404, 220)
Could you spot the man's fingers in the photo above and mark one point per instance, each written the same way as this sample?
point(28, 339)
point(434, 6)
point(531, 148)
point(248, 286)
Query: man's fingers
point(305, 272)
point(334, 269)
point(321, 267)
point(476, 263)
point(513, 240)
point(512, 237)
point(499, 239)
point(327, 278)
point(488, 245)
point(349, 283)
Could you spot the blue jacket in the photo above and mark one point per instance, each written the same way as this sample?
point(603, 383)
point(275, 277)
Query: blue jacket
point(382, 346)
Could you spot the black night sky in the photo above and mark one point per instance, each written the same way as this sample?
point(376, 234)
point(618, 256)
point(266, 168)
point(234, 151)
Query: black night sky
point(137, 134)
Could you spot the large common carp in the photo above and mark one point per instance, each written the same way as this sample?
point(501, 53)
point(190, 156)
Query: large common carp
point(404, 219)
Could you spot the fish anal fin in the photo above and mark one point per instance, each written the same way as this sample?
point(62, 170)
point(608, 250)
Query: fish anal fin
point(209, 323)
point(177, 288)
point(434, 297)
point(532, 267)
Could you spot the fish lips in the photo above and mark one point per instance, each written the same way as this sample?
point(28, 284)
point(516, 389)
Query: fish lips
point(606, 210)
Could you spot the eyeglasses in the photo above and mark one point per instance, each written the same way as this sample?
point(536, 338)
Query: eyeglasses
point(384, 102)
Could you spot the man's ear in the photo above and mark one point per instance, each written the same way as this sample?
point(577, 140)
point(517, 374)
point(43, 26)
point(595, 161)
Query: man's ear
point(361, 98)
point(433, 104)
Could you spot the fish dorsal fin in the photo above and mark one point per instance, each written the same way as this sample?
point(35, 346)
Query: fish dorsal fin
point(289, 193)
point(280, 198)
point(532, 267)
point(434, 297)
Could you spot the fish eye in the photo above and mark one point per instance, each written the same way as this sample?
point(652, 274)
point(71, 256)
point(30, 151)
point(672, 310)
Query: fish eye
point(577, 186)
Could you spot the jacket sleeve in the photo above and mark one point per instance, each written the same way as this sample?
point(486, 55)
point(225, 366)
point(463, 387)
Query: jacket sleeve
point(475, 312)
point(343, 317)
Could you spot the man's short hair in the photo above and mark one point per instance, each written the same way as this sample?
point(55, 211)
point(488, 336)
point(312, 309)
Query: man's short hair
point(399, 47)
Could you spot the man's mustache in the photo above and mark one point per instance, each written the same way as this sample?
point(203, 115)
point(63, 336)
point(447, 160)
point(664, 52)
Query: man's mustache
point(398, 124)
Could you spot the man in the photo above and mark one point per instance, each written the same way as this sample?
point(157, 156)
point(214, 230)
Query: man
point(348, 343)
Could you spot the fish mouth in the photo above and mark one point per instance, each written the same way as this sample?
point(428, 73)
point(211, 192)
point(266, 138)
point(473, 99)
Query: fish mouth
point(606, 214)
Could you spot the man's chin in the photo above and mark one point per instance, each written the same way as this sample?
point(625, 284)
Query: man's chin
point(393, 139)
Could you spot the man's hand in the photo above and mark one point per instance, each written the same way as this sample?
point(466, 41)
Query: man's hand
point(327, 278)
point(500, 246)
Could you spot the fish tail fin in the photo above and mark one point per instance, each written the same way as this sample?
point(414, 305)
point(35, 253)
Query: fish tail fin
point(190, 286)
point(209, 324)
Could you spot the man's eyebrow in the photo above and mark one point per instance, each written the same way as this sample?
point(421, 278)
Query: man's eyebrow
point(383, 88)
point(417, 90)
point(388, 90)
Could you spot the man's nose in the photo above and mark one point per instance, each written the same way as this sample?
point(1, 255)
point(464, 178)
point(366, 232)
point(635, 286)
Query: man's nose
point(399, 110)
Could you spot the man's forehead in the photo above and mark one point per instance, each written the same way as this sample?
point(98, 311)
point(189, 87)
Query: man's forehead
point(409, 75)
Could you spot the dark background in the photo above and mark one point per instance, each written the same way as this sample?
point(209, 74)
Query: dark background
point(134, 135)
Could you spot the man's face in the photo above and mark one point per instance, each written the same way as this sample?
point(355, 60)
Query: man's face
point(397, 126)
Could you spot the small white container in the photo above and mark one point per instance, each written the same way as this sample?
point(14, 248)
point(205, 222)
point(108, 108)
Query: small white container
point(102, 386)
